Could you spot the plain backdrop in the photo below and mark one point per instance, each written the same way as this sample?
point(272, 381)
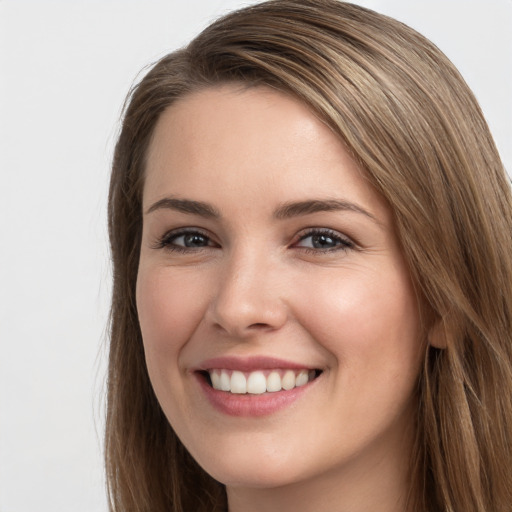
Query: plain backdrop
point(65, 67)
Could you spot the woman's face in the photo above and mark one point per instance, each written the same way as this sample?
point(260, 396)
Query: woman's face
point(268, 261)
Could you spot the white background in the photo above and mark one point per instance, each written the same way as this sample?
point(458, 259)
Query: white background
point(65, 67)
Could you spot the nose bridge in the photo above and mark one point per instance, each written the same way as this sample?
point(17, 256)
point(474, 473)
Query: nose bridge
point(248, 297)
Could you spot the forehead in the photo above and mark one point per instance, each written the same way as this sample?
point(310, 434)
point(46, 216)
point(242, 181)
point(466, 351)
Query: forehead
point(248, 142)
point(233, 120)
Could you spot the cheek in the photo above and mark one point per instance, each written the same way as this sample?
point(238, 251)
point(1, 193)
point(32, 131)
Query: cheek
point(369, 320)
point(170, 306)
point(370, 325)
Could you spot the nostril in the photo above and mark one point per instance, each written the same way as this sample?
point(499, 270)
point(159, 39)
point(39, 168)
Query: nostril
point(259, 326)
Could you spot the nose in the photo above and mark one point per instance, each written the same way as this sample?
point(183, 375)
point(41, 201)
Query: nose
point(248, 298)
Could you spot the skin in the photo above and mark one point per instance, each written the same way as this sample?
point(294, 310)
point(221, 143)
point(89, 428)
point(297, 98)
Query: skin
point(257, 285)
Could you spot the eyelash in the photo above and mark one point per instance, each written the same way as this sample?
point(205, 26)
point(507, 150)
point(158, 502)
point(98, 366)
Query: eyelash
point(167, 241)
point(343, 243)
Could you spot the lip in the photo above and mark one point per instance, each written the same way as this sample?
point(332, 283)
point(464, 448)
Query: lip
point(250, 364)
point(247, 405)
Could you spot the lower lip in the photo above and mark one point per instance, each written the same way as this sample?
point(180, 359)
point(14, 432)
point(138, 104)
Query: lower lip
point(251, 405)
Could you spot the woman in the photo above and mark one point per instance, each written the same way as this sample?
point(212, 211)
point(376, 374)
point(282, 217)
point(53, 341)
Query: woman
point(312, 303)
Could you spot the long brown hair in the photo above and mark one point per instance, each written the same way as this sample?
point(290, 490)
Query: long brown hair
point(409, 119)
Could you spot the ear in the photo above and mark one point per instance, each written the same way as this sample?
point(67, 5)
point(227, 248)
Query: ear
point(437, 335)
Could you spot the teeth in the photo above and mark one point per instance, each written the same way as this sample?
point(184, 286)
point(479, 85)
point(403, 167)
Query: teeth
point(288, 380)
point(274, 382)
point(256, 383)
point(225, 382)
point(238, 383)
point(259, 382)
point(215, 380)
point(302, 378)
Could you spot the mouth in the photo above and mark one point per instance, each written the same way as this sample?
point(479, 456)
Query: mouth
point(258, 382)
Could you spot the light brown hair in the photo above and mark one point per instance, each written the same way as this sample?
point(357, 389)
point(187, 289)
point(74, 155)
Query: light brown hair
point(407, 116)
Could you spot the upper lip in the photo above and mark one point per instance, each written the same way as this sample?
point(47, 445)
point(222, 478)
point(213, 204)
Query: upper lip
point(249, 364)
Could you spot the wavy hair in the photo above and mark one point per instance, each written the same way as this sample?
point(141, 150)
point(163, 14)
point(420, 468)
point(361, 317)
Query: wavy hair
point(407, 116)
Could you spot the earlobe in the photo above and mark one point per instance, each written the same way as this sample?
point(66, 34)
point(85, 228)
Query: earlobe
point(437, 335)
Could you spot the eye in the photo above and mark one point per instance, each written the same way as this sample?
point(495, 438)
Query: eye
point(324, 240)
point(184, 240)
point(191, 240)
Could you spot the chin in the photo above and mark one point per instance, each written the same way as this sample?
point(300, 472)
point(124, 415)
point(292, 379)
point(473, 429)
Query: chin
point(261, 467)
point(256, 476)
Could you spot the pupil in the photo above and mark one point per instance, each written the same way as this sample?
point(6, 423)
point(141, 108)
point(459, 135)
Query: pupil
point(322, 241)
point(194, 240)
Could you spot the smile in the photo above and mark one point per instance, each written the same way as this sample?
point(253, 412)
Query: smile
point(254, 386)
point(259, 381)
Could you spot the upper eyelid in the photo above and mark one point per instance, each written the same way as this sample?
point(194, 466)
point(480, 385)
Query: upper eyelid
point(317, 230)
point(186, 231)
point(179, 231)
point(166, 239)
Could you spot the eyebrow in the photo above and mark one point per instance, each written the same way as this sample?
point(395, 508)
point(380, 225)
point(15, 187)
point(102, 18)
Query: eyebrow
point(185, 206)
point(285, 211)
point(296, 209)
